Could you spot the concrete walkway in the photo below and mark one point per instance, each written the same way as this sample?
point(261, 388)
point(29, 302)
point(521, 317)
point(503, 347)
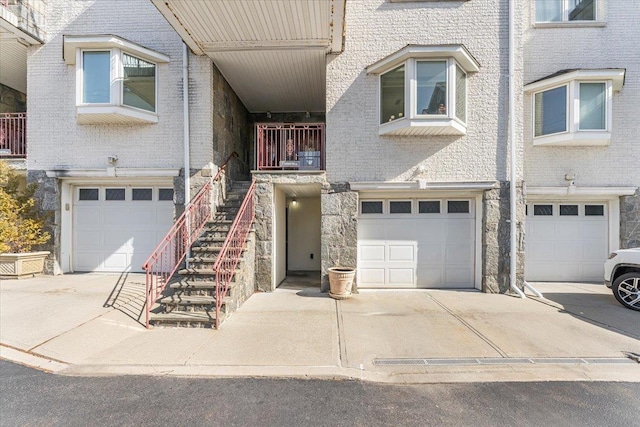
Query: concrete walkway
point(90, 324)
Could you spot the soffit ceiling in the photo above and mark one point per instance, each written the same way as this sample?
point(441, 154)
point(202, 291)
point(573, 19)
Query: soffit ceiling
point(272, 52)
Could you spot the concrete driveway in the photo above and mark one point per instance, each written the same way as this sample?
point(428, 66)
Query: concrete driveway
point(90, 324)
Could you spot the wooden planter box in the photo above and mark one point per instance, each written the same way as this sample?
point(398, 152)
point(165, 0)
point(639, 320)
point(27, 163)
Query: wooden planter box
point(16, 266)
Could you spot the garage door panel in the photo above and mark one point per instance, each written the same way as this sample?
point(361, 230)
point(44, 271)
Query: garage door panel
point(115, 236)
point(575, 251)
point(418, 248)
point(399, 252)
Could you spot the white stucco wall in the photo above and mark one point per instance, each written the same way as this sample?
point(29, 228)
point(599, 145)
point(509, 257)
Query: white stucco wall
point(304, 234)
point(377, 28)
point(56, 140)
point(547, 50)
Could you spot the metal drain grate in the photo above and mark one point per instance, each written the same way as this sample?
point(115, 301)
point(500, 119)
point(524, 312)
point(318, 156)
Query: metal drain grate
point(501, 361)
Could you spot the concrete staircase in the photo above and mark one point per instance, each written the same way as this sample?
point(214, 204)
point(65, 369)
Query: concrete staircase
point(190, 300)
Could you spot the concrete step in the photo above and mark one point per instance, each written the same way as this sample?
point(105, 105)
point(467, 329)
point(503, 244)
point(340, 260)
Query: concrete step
point(186, 319)
point(193, 303)
point(198, 271)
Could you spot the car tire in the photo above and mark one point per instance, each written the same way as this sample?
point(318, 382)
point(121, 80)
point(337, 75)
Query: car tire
point(626, 289)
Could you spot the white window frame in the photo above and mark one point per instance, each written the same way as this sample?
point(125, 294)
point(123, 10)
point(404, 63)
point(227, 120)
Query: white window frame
point(413, 123)
point(565, 14)
point(613, 80)
point(115, 111)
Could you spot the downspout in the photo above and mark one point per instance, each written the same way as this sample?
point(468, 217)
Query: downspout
point(512, 138)
point(186, 145)
point(185, 121)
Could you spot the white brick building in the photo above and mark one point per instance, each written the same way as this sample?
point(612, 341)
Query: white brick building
point(377, 132)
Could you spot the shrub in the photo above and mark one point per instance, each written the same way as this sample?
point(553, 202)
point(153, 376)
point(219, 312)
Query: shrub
point(21, 224)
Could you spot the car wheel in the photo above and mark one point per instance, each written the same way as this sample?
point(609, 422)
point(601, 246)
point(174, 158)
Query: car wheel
point(626, 289)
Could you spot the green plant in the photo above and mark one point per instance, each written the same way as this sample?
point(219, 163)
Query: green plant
point(21, 225)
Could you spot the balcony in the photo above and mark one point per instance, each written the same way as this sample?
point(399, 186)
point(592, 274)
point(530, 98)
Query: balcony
point(290, 146)
point(13, 136)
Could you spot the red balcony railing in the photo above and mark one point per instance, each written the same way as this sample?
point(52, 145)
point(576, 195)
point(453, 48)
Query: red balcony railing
point(295, 146)
point(13, 135)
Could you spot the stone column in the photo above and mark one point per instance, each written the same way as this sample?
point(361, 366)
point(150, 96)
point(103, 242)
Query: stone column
point(496, 240)
point(630, 221)
point(339, 229)
point(264, 236)
point(48, 198)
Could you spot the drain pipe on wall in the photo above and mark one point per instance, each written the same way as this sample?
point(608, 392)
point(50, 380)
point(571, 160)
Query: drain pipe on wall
point(512, 138)
point(185, 121)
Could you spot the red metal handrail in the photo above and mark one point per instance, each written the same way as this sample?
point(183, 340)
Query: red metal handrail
point(295, 146)
point(229, 256)
point(13, 135)
point(171, 251)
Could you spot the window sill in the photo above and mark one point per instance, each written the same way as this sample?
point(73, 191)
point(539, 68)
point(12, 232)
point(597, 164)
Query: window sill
point(113, 114)
point(571, 24)
point(580, 139)
point(421, 127)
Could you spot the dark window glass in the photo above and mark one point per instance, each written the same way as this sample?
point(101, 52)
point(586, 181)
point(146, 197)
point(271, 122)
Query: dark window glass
point(371, 207)
point(458, 206)
point(88, 194)
point(141, 194)
point(400, 207)
point(427, 207)
point(114, 194)
point(542, 210)
point(568, 210)
point(165, 194)
point(594, 210)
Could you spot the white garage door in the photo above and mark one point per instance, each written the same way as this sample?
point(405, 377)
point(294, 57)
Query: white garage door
point(116, 228)
point(416, 243)
point(566, 241)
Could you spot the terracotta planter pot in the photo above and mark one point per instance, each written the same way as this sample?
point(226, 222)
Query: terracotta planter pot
point(341, 282)
point(16, 266)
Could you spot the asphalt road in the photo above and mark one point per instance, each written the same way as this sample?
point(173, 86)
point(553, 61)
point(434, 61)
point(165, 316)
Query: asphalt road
point(29, 397)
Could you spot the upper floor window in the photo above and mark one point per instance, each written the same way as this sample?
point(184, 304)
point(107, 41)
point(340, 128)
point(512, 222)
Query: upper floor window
point(574, 107)
point(116, 79)
point(565, 10)
point(423, 90)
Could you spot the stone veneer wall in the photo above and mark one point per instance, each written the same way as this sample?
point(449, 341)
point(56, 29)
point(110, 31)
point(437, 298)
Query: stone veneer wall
point(630, 221)
point(48, 197)
point(339, 229)
point(496, 234)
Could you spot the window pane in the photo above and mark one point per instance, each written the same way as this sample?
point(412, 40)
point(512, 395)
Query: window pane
point(461, 94)
point(371, 207)
point(392, 95)
point(592, 105)
point(458, 206)
point(165, 194)
point(432, 87)
point(542, 210)
point(568, 210)
point(551, 111)
point(141, 194)
point(88, 194)
point(114, 194)
point(139, 84)
point(400, 207)
point(429, 207)
point(582, 10)
point(548, 10)
point(594, 210)
point(97, 77)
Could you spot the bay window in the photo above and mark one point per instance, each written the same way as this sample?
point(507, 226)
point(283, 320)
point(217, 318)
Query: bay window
point(566, 10)
point(423, 90)
point(574, 107)
point(116, 79)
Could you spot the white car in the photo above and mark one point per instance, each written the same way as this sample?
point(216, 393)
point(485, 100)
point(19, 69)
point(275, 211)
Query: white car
point(622, 275)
